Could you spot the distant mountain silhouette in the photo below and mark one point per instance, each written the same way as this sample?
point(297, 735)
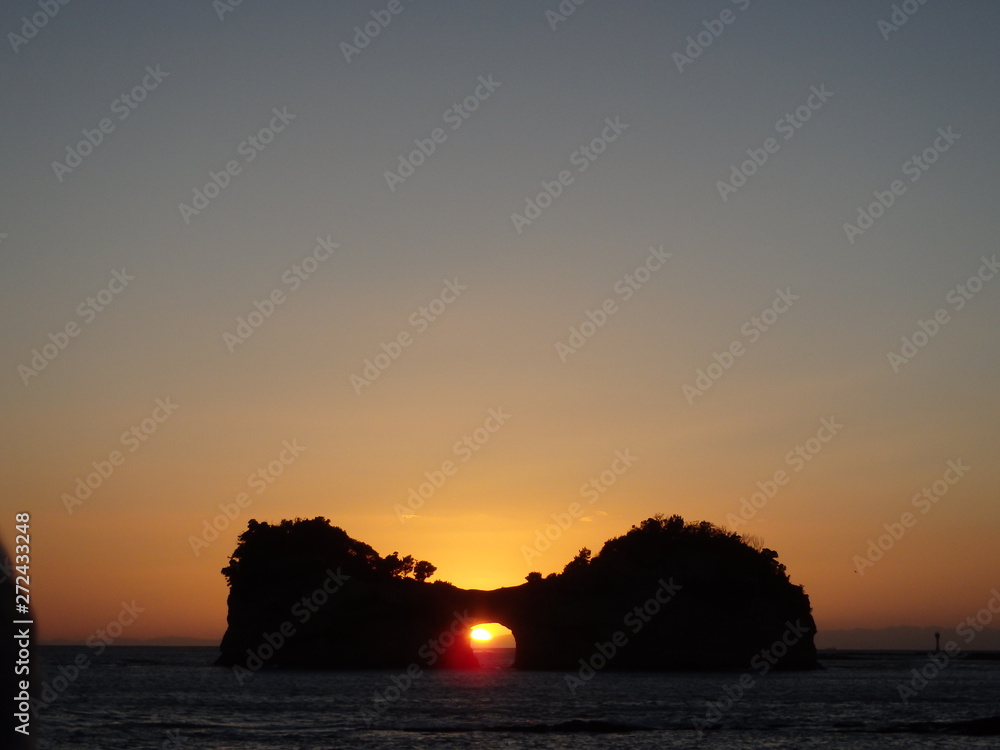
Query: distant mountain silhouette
point(166, 640)
point(666, 595)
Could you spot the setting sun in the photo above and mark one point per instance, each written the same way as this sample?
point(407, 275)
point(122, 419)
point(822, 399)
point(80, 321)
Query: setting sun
point(491, 635)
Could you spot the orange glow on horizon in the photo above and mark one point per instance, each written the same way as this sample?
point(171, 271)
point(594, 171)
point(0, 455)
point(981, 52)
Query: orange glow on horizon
point(491, 635)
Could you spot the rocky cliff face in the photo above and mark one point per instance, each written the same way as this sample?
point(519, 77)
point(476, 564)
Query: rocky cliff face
point(666, 595)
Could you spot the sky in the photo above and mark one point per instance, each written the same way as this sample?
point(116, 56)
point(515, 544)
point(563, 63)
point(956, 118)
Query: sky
point(488, 283)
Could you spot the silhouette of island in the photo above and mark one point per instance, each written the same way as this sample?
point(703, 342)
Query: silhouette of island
point(666, 595)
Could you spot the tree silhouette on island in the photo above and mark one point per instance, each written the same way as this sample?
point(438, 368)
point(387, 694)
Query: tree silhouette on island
point(665, 595)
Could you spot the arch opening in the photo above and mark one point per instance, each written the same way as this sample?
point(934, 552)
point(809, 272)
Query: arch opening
point(493, 644)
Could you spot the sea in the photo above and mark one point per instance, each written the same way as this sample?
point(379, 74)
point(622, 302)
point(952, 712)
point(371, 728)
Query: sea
point(173, 697)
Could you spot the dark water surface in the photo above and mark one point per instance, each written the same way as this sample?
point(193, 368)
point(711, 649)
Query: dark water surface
point(159, 697)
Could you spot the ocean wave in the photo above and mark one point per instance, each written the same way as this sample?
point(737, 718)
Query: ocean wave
point(591, 726)
point(985, 727)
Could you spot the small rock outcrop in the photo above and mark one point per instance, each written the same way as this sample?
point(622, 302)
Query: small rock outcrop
point(666, 595)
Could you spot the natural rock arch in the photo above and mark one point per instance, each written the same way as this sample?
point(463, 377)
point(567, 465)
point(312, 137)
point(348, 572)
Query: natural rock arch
point(666, 595)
